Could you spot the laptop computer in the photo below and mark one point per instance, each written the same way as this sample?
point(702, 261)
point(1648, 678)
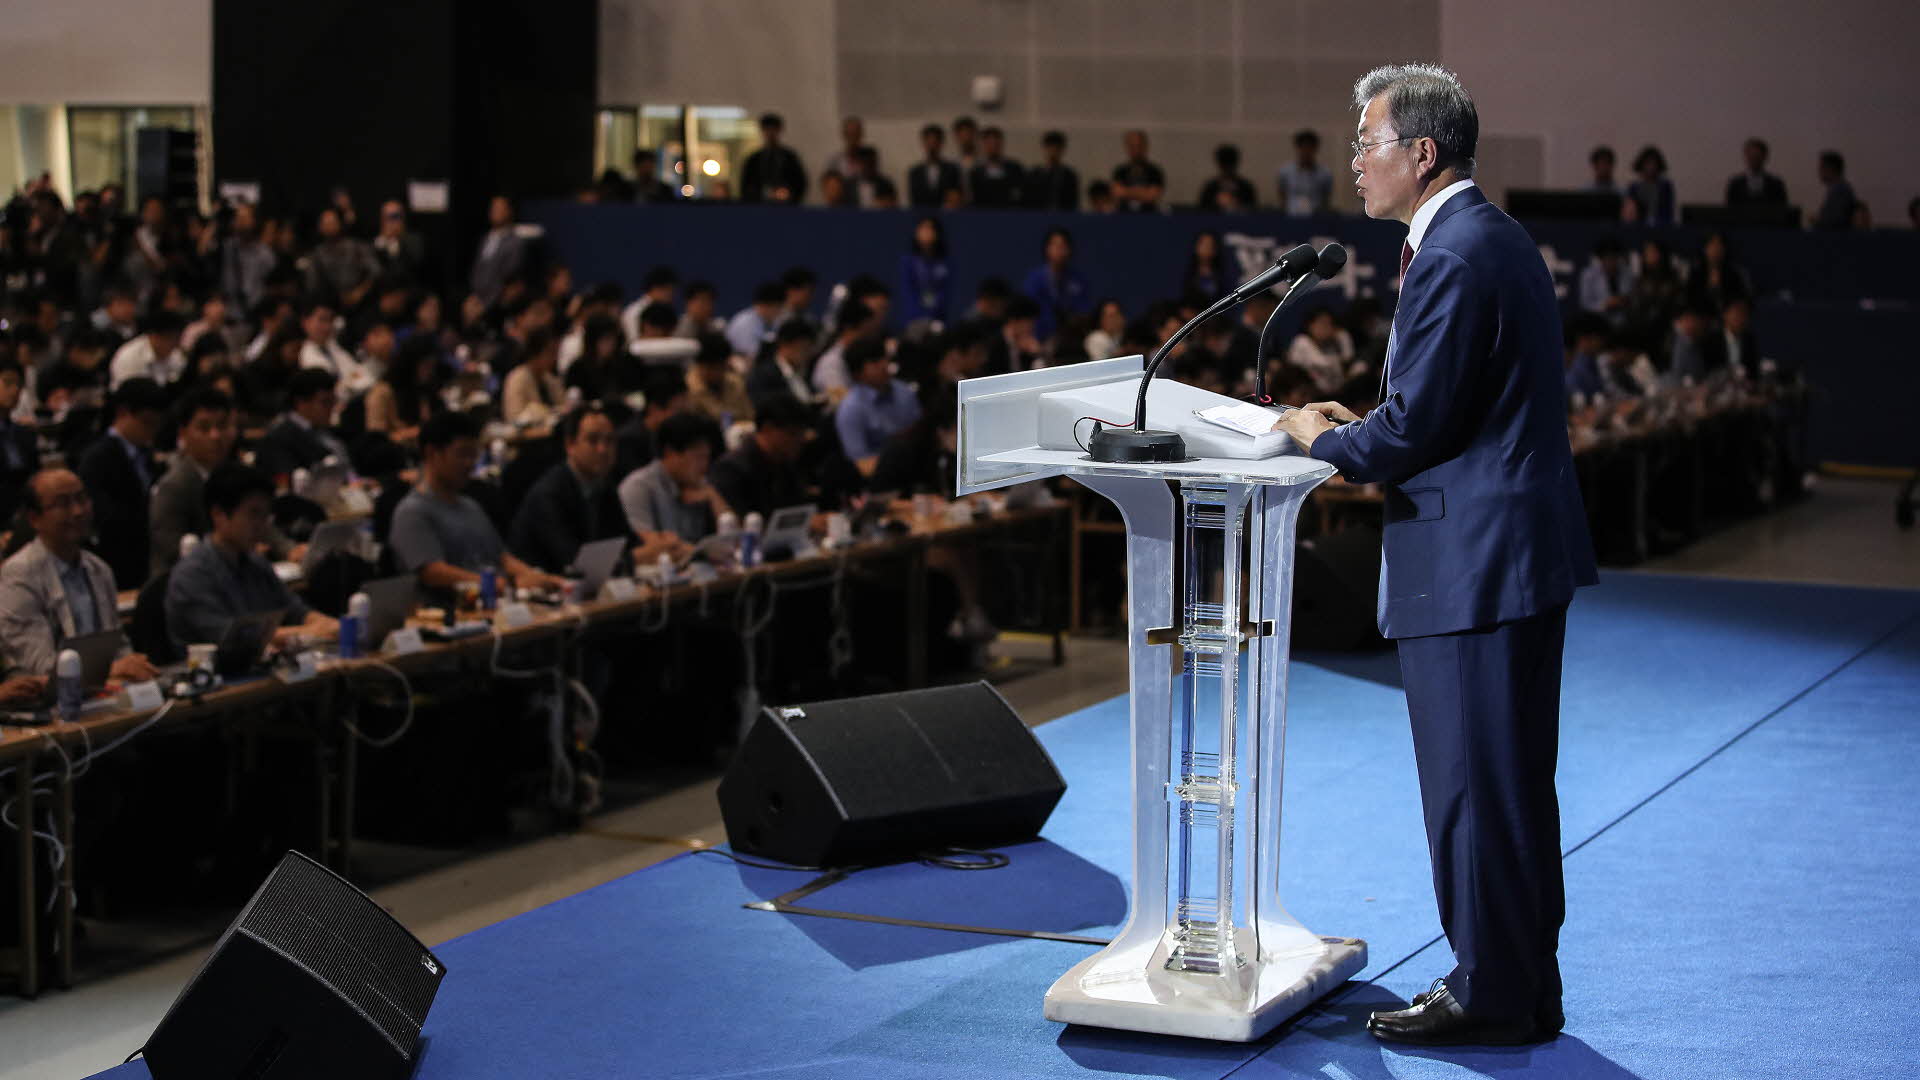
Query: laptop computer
point(787, 534)
point(243, 645)
point(596, 561)
point(389, 602)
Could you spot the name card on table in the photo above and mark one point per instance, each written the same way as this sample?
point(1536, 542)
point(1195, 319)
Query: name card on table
point(515, 615)
point(143, 696)
point(404, 641)
point(618, 589)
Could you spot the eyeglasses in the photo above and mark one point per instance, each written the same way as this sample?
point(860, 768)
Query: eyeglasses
point(1360, 148)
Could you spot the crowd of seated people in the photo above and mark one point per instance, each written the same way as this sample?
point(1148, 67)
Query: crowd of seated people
point(240, 343)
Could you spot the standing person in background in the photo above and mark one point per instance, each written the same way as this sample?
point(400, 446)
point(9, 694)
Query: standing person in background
point(966, 152)
point(1754, 185)
point(935, 181)
point(647, 185)
point(1601, 162)
point(1838, 207)
point(341, 267)
point(1059, 289)
point(1650, 197)
point(1138, 184)
point(1486, 540)
point(1226, 192)
point(503, 252)
point(853, 136)
point(773, 173)
point(1305, 185)
point(995, 180)
point(925, 281)
point(1052, 184)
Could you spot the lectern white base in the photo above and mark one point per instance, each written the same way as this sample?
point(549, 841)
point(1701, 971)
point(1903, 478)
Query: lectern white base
point(1205, 1006)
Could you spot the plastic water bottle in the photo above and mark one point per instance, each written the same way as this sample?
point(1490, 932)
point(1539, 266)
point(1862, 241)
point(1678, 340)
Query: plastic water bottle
point(750, 539)
point(188, 541)
point(353, 628)
point(489, 589)
point(663, 569)
point(728, 524)
point(66, 673)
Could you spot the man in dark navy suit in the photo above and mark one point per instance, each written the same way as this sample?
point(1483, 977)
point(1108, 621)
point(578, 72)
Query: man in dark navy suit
point(1485, 542)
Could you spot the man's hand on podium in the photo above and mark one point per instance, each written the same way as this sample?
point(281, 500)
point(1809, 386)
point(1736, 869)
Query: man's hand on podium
point(1309, 422)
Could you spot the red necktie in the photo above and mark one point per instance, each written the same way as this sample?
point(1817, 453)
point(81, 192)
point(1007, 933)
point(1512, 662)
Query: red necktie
point(1406, 256)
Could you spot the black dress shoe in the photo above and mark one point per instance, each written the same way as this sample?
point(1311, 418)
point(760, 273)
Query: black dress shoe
point(1546, 1016)
point(1436, 1019)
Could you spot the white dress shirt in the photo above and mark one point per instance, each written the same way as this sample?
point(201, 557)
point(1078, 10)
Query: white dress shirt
point(1423, 217)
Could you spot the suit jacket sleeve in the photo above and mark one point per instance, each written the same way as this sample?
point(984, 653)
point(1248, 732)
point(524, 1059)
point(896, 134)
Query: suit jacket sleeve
point(1442, 335)
point(24, 631)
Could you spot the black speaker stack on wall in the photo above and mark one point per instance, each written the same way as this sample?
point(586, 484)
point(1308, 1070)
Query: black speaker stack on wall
point(313, 981)
point(493, 98)
point(861, 781)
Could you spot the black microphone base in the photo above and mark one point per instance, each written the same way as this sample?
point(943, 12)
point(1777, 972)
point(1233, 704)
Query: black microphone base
point(1126, 446)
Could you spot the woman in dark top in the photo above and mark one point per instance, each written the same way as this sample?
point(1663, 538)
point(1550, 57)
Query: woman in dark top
point(601, 371)
point(1651, 193)
point(1717, 278)
point(1656, 297)
point(1207, 274)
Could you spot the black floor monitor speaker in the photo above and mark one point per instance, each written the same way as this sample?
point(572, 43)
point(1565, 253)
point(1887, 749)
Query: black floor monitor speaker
point(313, 980)
point(1336, 585)
point(869, 780)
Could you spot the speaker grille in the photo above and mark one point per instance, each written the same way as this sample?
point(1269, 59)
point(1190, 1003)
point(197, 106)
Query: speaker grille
point(350, 944)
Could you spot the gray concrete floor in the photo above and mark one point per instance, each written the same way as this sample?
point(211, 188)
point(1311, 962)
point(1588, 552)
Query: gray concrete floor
point(1844, 534)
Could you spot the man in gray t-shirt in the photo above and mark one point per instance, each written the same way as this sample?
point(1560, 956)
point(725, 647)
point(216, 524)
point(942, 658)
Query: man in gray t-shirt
point(442, 535)
point(669, 504)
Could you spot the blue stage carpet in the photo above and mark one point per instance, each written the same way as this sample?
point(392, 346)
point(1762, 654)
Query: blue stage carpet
point(1738, 801)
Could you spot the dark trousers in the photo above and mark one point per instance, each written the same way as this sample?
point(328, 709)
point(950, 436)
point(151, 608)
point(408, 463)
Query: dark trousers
point(1485, 706)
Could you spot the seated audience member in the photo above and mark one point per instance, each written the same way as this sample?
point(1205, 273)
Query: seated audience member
point(116, 317)
point(877, 408)
point(1738, 349)
point(602, 371)
point(1323, 351)
point(919, 460)
point(533, 392)
point(658, 288)
point(443, 535)
point(1589, 342)
point(1690, 356)
point(713, 388)
point(179, 506)
point(656, 343)
point(301, 439)
point(831, 379)
point(19, 447)
point(601, 302)
point(664, 394)
point(575, 502)
point(341, 266)
point(698, 318)
point(1110, 323)
point(321, 350)
point(784, 369)
point(78, 379)
point(1716, 278)
point(963, 355)
point(119, 471)
point(753, 325)
point(670, 504)
point(54, 589)
point(226, 577)
point(762, 474)
point(1754, 185)
point(1016, 346)
point(408, 393)
point(1607, 282)
point(155, 354)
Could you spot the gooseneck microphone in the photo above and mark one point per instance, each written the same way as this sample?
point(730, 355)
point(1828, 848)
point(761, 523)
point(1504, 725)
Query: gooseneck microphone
point(1331, 260)
point(1137, 443)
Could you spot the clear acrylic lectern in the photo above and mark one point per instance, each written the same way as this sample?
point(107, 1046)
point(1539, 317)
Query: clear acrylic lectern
point(1208, 949)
